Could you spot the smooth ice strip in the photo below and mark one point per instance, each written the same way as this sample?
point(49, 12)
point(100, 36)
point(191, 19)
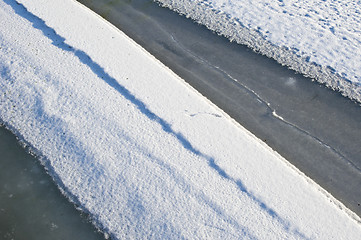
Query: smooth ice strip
point(139, 149)
point(318, 38)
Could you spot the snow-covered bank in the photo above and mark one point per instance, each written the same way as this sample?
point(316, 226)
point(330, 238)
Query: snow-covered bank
point(139, 149)
point(318, 38)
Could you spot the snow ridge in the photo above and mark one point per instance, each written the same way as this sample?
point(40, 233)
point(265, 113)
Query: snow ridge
point(317, 38)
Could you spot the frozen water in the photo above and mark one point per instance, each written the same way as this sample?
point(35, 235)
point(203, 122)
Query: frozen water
point(31, 205)
point(314, 127)
point(146, 164)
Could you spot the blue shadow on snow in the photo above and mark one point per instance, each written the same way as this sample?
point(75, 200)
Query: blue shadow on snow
point(59, 42)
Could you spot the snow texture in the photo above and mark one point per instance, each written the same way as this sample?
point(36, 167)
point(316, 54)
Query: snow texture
point(318, 38)
point(132, 144)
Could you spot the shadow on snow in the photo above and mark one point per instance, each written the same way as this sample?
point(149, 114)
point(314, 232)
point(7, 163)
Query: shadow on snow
point(59, 42)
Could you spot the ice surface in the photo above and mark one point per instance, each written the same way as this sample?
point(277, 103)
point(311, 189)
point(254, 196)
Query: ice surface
point(320, 39)
point(136, 147)
point(31, 206)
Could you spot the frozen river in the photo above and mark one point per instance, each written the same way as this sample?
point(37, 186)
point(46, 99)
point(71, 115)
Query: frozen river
point(315, 128)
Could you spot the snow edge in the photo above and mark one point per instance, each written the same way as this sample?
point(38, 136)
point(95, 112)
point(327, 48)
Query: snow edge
point(328, 195)
point(233, 29)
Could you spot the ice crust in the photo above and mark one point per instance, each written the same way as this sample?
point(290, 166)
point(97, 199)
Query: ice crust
point(132, 144)
point(318, 38)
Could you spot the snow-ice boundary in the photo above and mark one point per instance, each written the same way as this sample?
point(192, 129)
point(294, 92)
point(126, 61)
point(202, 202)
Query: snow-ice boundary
point(36, 153)
point(233, 29)
point(332, 199)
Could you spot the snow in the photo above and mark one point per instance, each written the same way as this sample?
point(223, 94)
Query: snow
point(132, 144)
point(318, 38)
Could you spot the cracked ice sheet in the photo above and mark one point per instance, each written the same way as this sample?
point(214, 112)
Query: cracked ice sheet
point(318, 38)
point(136, 147)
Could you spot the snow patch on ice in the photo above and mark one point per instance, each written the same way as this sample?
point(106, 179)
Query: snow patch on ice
point(319, 39)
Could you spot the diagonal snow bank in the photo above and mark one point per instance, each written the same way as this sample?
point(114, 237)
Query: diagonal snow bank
point(320, 39)
point(136, 147)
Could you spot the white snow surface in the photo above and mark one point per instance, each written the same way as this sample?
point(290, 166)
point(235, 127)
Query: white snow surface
point(318, 38)
point(136, 147)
